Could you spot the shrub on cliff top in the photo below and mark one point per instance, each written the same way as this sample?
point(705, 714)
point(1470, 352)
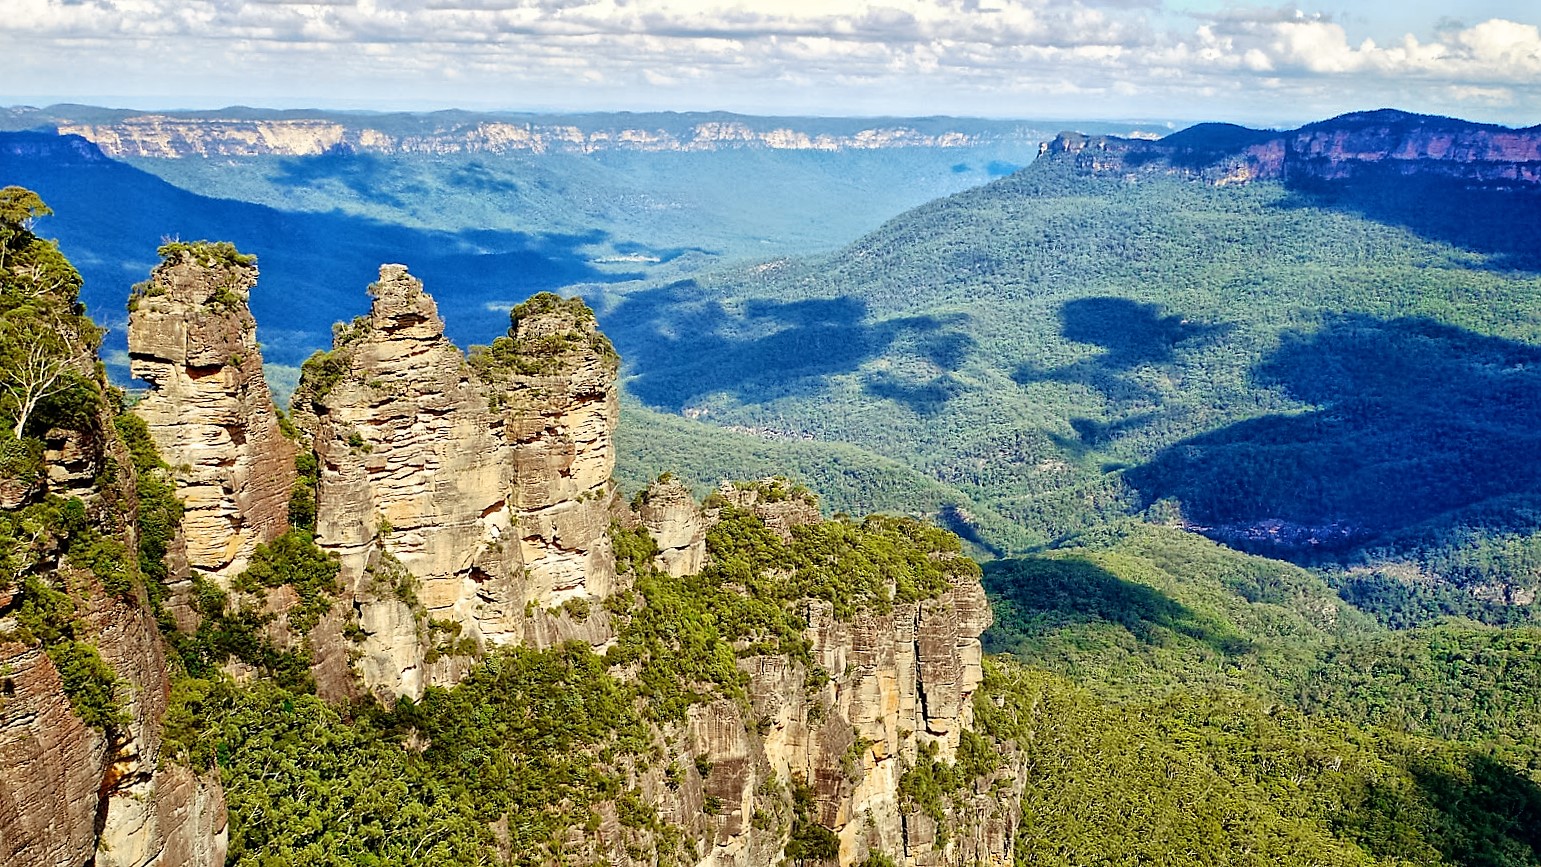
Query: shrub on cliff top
point(541, 354)
point(207, 253)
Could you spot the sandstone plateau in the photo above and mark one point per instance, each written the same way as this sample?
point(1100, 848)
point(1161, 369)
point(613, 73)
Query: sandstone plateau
point(251, 133)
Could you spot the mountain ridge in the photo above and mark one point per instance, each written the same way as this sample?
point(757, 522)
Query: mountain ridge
point(239, 131)
point(1350, 145)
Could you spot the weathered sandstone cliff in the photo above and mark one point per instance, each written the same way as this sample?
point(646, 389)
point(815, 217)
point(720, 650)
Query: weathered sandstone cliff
point(469, 502)
point(192, 339)
point(884, 692)
point(465, 499)
point(78, 790)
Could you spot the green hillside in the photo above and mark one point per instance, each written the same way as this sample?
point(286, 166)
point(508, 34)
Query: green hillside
point(1188, 703)
point(849, 479)
point(1306, 374)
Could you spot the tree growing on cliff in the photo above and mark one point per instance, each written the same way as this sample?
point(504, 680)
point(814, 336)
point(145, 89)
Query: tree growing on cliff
point(38, 369)
point(19, 207)
point(46, 341)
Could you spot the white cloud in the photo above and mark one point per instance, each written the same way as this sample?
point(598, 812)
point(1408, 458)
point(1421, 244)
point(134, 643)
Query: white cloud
point(929, 55)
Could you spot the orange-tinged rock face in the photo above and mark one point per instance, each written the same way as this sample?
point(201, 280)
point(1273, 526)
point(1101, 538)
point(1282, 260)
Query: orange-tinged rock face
point(1330, 150)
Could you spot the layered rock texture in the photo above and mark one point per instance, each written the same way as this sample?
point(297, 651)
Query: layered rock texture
point(192, 339)
point(676, 523)
point(885, 691)
point(74, 791)
point(73, 794)
point(1363, 144)
point(474, 494)
point(468, 502)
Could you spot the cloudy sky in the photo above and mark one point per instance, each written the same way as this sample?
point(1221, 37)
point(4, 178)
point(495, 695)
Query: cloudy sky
point(1089, 59)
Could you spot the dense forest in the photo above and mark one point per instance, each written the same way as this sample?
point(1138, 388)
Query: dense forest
point(1329, 376)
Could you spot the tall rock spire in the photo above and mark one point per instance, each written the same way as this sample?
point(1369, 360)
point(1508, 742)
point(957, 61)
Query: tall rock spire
point(463, 498)
point(192, 338)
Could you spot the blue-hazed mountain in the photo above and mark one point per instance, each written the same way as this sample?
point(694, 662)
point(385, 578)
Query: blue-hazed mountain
point(495, 205)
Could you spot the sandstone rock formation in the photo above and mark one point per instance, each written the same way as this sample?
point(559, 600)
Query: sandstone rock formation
point(677, 524)
point(899, 684)
point(72, 793)
point(881, 692)
point(474, 495)
point(192, 338)
point(777, 502)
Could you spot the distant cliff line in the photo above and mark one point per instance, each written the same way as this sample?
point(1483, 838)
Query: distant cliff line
point(1387, 144)
point(247, 132)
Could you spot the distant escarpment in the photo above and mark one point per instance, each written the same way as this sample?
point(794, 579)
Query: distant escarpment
point(472, 492)
point(1352, 146)
point(241, 132)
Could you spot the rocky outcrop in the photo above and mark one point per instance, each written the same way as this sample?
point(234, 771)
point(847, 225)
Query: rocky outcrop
point(899, 687)
point(882, 691)
point(777, 502)
point(1346, 147)
point(474, 495)
point(192, 339)
point(553, 379)
point(677, 525)
point(98, 793)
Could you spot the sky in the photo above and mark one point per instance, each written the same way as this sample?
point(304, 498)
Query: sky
point(1249, 62)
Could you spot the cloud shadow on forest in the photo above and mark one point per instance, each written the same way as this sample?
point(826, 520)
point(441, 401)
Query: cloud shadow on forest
point(1414, 421)
point(1034, 597)
point(1498, 221)
point(682, 346)
point(1132, 335)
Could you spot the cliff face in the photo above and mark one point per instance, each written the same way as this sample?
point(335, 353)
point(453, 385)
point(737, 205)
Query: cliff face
point(172, 137)
point(885, 692)
point(97, 792)
point(71, 793)
point(469, 501)
point(477, 497)
point(192, 338)
point(1346, 147)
